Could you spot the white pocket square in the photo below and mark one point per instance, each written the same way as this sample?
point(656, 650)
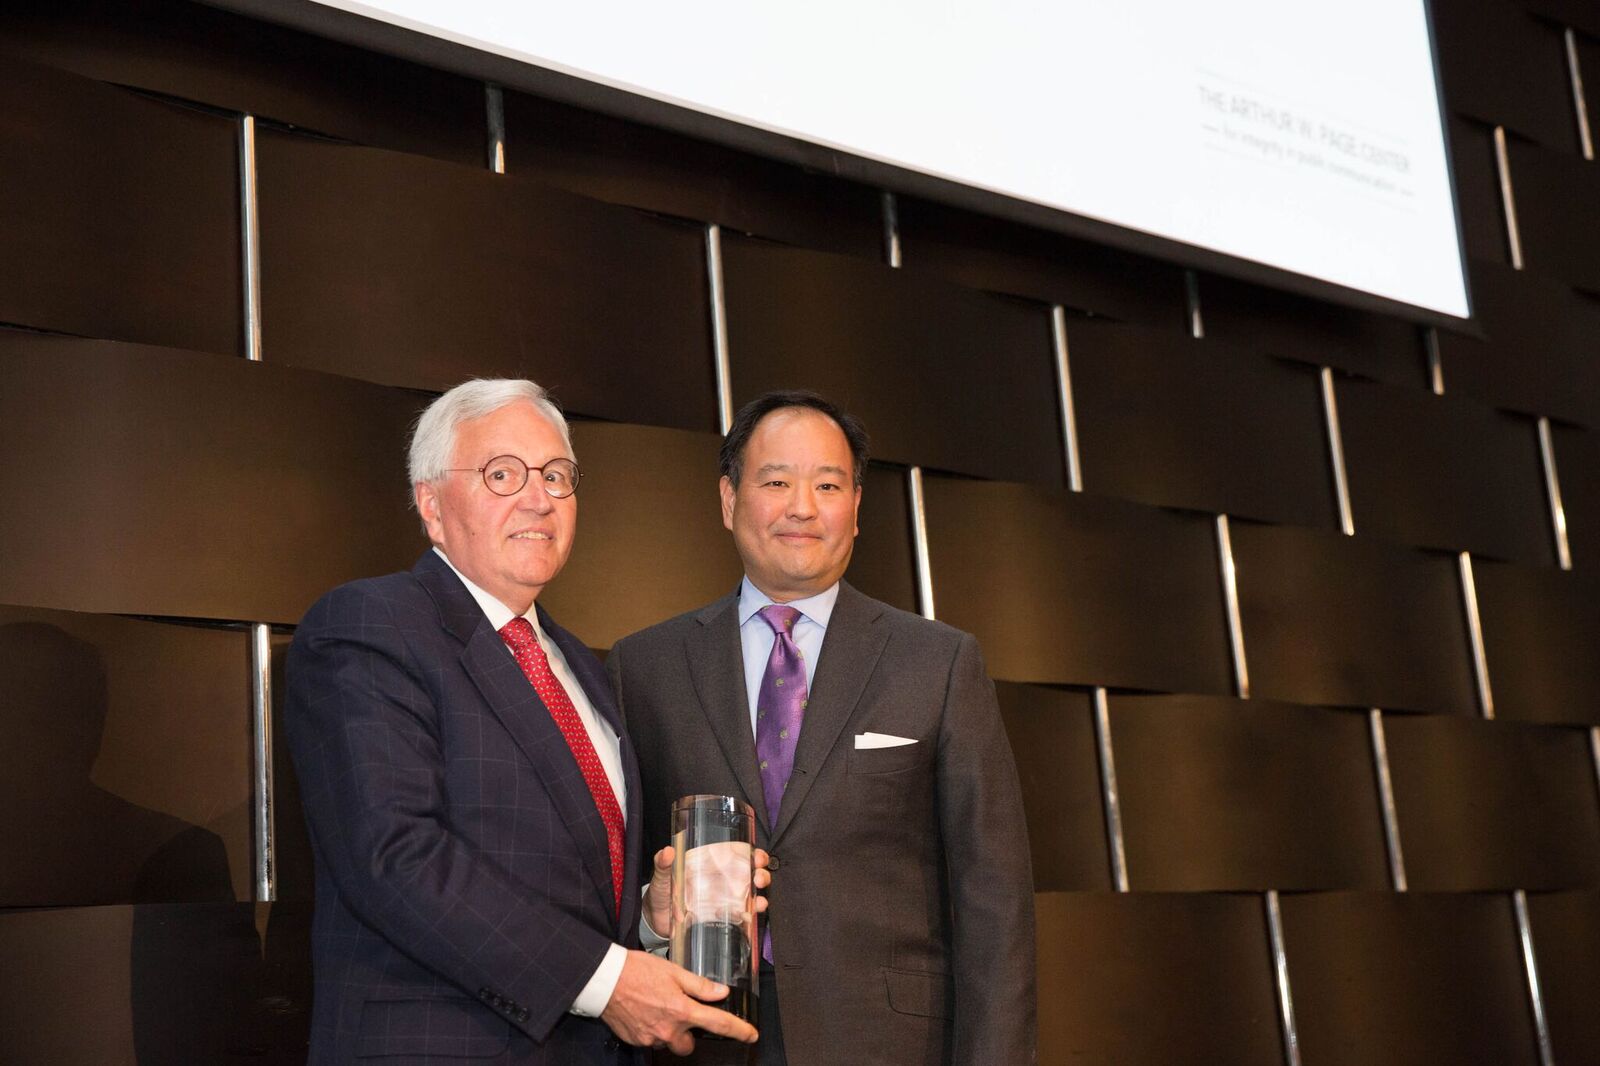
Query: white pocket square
point(881, 740)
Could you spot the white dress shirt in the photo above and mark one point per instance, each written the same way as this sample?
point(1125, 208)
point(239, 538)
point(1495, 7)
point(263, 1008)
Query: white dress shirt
point(592, 1001)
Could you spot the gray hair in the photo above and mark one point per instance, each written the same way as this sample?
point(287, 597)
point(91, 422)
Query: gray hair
point(433, 438)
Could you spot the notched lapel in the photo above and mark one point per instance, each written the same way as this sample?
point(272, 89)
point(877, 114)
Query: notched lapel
point(716, 665)
point(850, 651)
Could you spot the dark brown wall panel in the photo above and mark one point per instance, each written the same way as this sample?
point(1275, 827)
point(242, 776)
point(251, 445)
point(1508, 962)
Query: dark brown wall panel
point(650, 541)
point(1407, 980)
point(1540, 632)
point(408, 271)
point(630, 163)
point(1477, 184)
point(199, 53)
point(120, 214)
point(1566, 939)
point(1074, 589)
point(882, 565)
point(1052, 738)
point(1311, 331)
point(1231, 794)
point(124, 761)
point(942, 377)
point(155, 985)
point(1168, 420)
point(1580, 14)
point(154, 481)
point(1350, 621)
point(1538, 350)
point(1577, 456)
point(1439, 472)
point(1494, 805)
point(1560, 230)
point(999, 256)
point(1501, 66)
point(1147, 978)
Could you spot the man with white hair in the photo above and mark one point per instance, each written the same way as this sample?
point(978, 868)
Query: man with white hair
point(472, 797)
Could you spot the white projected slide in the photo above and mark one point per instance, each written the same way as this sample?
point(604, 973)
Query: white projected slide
point(1305, 137)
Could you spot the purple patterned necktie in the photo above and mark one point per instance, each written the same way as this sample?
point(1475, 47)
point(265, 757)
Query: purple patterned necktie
point(780, 705)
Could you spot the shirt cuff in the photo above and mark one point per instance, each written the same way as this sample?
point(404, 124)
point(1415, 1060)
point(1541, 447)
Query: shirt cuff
point(596, 995)
point(649, 939)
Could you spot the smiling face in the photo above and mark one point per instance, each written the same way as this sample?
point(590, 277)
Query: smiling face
point(509, 546)
point(793, 513)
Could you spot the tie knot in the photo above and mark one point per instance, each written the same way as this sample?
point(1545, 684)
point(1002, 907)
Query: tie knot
point(780, 617)
point(518, 634)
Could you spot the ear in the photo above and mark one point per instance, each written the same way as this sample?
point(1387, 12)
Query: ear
point(427, 499)
point(855, 514)
point(726, 488)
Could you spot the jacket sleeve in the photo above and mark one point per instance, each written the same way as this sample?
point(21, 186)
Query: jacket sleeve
point(364, 732)
point(991, 879)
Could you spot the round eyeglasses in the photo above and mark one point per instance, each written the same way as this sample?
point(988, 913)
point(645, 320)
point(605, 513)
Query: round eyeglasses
point(506, 474)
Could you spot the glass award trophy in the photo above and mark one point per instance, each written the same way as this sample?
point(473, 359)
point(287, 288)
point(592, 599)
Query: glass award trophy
point(713, 896)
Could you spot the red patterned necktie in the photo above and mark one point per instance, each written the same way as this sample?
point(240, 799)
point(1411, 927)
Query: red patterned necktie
point(518, 635)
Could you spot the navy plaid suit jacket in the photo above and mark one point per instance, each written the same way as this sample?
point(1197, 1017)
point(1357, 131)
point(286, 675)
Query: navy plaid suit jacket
point(463, 882)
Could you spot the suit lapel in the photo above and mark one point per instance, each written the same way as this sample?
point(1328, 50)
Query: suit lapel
point(716, 664)
point(506, 692)
point(850, 650)
point(591, 675)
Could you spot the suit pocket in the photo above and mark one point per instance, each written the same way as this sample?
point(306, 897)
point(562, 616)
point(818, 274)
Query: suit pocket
point(926, 995)
point(886, 760)
point(452, 1028)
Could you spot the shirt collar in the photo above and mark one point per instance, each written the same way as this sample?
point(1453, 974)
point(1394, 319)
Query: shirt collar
point(497, 613)
point(818, 608)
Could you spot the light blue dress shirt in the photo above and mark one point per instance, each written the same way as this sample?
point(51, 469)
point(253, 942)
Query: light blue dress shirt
point(756, 637)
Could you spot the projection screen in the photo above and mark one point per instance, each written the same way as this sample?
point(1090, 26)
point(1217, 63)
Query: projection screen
point(1304, 138)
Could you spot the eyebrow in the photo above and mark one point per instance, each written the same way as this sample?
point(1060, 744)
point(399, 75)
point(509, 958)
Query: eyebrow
point(785, 468)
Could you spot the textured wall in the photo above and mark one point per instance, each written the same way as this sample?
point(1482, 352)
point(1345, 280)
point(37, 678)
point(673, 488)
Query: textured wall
point(1280, 597)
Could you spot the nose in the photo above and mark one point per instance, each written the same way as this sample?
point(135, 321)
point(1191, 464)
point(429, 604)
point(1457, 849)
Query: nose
point(533, 497)
point(802, 502)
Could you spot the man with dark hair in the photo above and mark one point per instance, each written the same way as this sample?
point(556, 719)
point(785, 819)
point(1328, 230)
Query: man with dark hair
point(472, 798)
point(869, 743)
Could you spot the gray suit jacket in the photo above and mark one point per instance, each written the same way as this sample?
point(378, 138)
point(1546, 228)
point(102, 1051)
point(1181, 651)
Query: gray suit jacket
point(902, 898)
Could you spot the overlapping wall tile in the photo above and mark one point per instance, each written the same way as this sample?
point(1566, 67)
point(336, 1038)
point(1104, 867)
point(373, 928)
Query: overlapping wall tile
point(408, 271)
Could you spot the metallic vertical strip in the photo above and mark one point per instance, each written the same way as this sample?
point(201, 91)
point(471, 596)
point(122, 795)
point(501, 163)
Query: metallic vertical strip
point(1552, 490)
point(1391, 823)
point(919, 542)
point(1230, 598)
point(1069, 415)
point(494, 106)
point(261, 735)
point(1280, 972)
point(1480, 662)
point(1594, 750)
point(719, 328)
point(1519, 902)
point(1341, 486)
point(251, 234)
point(1191, 297)
point(1508, 199)
point(1435, 360)
point(1580, 104)
point(891, 230)
point(1108, 791)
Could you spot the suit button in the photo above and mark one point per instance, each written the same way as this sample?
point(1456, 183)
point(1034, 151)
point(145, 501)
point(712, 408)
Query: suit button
point(522, 1014)
point(612, 1043)
point(485, 994)
point(773, 863)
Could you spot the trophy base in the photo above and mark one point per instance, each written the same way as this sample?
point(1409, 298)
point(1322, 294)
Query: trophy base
point(743, 1003)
